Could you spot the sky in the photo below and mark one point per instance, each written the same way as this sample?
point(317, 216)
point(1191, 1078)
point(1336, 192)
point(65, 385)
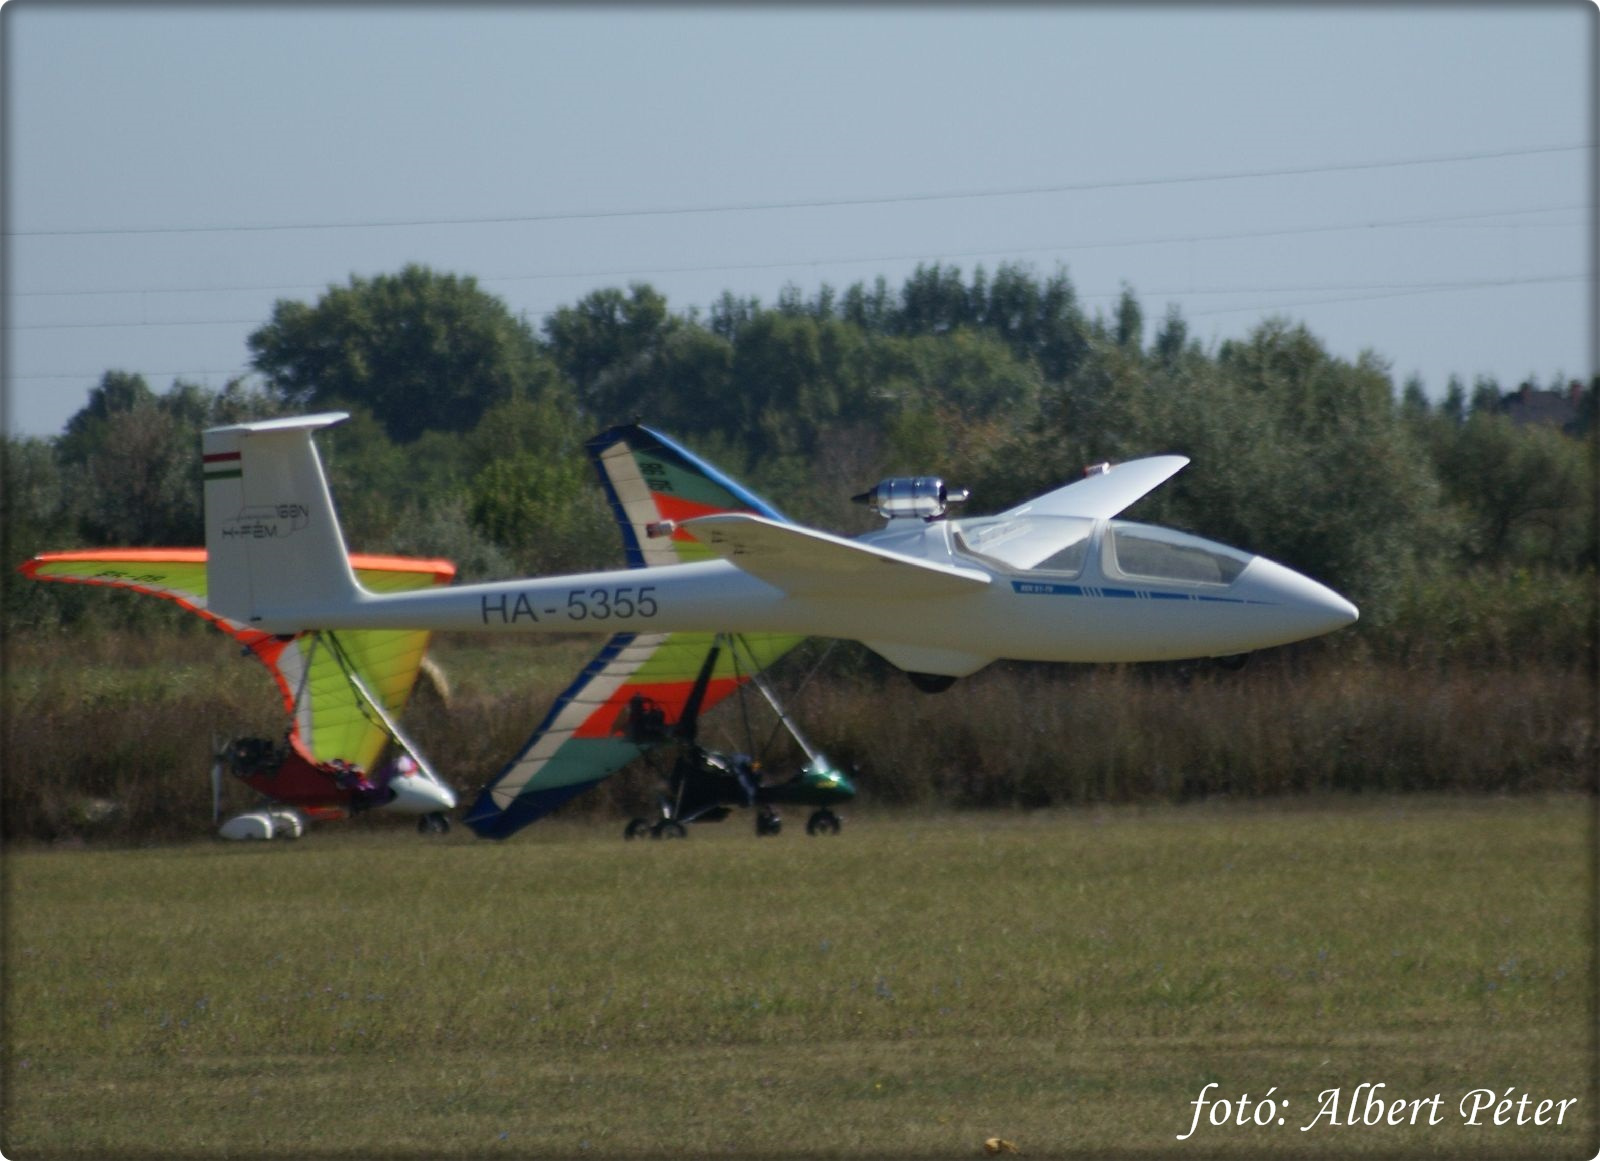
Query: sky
point(1414, 181)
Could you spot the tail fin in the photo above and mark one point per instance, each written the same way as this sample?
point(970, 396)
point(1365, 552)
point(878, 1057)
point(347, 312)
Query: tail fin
point(273, 543)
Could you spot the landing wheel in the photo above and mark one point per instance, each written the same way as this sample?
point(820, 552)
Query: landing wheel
point(822, 822)
point(637, 828)
point(435, 823)
point(768, 823)
point(669, 828)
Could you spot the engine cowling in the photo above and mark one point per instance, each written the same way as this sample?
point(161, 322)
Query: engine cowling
point(899, 497)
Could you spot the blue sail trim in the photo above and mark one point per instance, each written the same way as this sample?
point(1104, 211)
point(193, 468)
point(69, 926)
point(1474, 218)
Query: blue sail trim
point(485, 813)
point(652, 442)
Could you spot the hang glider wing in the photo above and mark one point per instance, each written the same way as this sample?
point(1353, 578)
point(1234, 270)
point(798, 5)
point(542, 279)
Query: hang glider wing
point(316, 673)
point(654, 485)
point(1102, 496)
point(626, 702)
point(805, 562)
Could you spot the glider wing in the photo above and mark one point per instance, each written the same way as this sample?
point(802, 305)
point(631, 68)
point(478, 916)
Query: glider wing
point(315, 672)
point(1102, 496)
point(805, 562)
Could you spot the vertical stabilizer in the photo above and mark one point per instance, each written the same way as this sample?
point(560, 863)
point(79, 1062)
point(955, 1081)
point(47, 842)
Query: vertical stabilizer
point(273, 543)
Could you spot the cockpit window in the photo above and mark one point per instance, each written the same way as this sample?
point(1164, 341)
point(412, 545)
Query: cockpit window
point(1144, 550)
point(1057, 544)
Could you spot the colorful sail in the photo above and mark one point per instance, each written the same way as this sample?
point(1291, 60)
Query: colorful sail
point(316, 673)
point(593, 730)
point(653, 484)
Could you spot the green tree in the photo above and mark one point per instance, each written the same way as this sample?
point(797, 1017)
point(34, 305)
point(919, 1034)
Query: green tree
point(1130, 320)
point(1414, 403)
point(1171, 339)
point(609, 346)
point(132, 464)
point(33, 519)
point(934, 301)
point(422, 351)
point(533, 495)
point(1525, 494)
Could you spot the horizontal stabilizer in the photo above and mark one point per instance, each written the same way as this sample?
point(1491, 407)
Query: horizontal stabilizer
point(805, 562)
point(1102, 496)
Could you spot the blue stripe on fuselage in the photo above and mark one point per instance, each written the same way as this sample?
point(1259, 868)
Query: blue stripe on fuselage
point(1056, 589)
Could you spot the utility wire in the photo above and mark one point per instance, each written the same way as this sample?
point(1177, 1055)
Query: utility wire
point(813, 203)
point(1383, 287)
point(1170, 239)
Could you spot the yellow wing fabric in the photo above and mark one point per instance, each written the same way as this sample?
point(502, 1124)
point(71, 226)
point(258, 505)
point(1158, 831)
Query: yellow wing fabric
point(316, 673)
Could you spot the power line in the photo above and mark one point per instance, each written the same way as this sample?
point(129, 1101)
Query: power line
point(97, 326)
point(1383, 289)
point(1170, 239)
point(814, 203)
point(1398, 291)
point(235, 372)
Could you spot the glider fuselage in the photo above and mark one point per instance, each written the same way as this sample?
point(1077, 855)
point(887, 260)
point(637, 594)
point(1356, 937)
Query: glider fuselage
point(1094, 615)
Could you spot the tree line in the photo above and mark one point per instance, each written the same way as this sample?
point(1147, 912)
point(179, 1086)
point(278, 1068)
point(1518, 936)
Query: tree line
point(1462, 534)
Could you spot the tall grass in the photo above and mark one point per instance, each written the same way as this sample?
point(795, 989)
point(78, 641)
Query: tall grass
point(111, 736)
point(1118, 734)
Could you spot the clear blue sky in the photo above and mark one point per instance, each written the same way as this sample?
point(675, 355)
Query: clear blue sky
point(1412, 180)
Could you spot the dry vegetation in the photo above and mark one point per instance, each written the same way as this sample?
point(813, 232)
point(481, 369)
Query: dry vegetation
point(128, 720)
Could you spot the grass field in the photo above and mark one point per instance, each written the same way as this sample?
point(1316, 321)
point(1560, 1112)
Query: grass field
point(1067, 980)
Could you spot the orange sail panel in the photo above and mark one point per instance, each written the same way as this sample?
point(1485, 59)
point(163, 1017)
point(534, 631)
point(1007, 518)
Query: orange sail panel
point(313, 671)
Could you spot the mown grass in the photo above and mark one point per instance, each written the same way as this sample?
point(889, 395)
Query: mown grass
point(1066, 979)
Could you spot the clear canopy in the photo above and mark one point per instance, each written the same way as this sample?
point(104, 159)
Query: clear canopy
point(1145, 550)
point(1060, 545)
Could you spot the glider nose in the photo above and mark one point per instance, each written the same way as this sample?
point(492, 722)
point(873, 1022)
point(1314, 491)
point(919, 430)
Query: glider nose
point(1305, 608)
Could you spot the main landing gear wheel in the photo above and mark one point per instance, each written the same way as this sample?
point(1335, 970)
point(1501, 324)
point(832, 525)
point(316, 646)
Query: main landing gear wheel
point(435, 823)
point(768, 823)
point(822, 822)
point(637, 828)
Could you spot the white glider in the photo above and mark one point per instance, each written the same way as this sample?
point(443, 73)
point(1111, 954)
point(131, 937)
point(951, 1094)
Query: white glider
point(1056, 579)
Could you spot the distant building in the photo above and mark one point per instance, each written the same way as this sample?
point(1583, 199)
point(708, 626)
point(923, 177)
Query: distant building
point(1562, 409)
